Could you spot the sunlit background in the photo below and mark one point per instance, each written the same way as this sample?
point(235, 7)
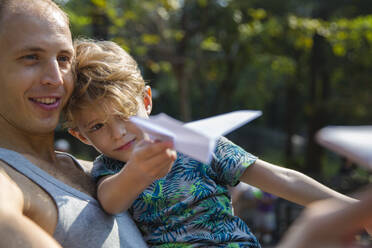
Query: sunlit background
point(305, 63)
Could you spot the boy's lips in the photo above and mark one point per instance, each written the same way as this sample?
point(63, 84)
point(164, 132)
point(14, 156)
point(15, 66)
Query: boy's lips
point(126, 146)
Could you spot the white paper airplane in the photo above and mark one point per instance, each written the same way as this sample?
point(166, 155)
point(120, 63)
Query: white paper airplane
point(196, 139)
point(352, 142)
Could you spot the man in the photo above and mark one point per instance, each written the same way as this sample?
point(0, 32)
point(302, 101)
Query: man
point(329, 223)
point(45, 196)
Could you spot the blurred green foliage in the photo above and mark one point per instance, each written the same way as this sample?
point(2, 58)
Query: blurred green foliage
point(305, 63)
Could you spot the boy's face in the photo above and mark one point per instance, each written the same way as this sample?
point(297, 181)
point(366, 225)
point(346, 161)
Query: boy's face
point(109, 134)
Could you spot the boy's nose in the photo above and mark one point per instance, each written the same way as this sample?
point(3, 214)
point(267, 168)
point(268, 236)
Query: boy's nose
point(119, 131)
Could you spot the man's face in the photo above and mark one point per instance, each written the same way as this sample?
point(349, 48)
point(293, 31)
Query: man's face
point(35, 71)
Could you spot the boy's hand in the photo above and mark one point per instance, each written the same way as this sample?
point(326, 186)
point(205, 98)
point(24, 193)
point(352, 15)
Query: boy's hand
point(150, 160)
point(153, 159)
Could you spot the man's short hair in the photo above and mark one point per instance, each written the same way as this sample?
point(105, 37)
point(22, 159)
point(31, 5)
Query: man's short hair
point(23, 6)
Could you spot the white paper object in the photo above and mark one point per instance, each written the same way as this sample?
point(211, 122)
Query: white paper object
point(352, 142)
point(196, 139)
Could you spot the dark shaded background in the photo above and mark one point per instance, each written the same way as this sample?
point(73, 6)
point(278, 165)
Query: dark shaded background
point(305, 63)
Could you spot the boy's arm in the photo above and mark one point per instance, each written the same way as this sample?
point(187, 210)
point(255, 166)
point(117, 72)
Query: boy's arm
point(17, 230)
point(329, 223)
point(288, 184)
point(148, 162)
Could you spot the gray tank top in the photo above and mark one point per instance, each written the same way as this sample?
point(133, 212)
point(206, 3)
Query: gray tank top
point(81, 221)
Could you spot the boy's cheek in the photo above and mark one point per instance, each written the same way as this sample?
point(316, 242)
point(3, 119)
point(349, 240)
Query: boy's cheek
point(99, 144)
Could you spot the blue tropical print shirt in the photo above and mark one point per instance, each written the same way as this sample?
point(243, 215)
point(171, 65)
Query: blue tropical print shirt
point(191, 206)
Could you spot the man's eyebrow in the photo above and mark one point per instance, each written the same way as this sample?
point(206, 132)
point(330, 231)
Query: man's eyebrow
point(39, 49)
point(67, 51)
point(31, 49)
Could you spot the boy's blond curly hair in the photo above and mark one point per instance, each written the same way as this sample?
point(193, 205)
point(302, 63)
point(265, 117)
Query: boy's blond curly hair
point(107, 75)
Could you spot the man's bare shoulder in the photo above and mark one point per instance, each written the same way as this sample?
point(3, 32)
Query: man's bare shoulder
point(11, 196)
point(27, 198)
point(88, 165)
point(10, 173)
point(4, 172)
point(27, 186)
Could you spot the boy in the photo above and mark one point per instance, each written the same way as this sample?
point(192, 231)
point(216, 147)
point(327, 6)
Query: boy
point(176, 201)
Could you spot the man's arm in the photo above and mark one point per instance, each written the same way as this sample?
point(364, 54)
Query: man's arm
point(17, 230)
point(329, 223)
point(288, 184)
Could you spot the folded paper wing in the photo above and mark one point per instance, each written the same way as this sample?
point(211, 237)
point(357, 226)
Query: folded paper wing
point(196, 139)
point(223, 124)
point(351, 142)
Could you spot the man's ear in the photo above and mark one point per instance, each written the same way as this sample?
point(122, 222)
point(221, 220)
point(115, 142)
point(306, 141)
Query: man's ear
point(147, 99)
point(76, 133)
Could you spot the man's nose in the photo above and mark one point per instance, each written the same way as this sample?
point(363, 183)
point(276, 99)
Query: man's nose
point(52, 74)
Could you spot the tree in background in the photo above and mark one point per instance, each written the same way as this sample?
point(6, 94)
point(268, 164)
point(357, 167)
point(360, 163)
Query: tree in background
point(305, 63)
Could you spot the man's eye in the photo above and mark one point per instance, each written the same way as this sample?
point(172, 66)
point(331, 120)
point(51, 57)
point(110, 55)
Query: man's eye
point(30, 57)
point(63, 58)
point(96, 127)
point(64, 61)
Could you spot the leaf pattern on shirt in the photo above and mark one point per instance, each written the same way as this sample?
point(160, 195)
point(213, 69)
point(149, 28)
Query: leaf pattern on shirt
point(191, 206)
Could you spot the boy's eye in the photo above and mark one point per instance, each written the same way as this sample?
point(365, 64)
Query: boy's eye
point(96, 127)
